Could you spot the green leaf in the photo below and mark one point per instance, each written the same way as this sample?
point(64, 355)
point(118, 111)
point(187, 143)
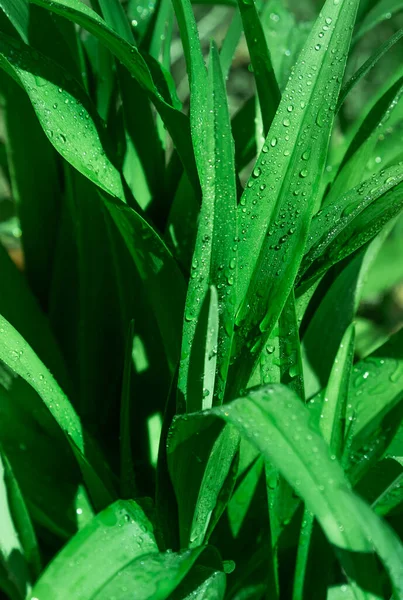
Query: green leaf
point(127, 476)
point(383, 10)
point(62, 108)
point(152, 576)
point(363, 143)
point(368, 65)
point(285, 176)
point(356, 218)
point(21, 518)
point(11, 547)
point(22, 360)
point(176, 122)
point(20, 308)
point(266, 83)
point(265, 417)
point(344, 290)
point(35, 183)
point(115, 17)
point(285, 37)
point(18, 13)
point(158, 270)
point(97, 553)
point(200, 454)
point(214, 259)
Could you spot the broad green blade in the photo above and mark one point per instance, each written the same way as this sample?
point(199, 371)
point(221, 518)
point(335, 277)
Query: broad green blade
point(22, 360)
point(340, 229)
point(200, 454)
point(11, 547)
point(97, 553)
point(18, 13)
point(277, 205)
point(266, 83)
point(117, 20)
point(383, 10)
point(264, 417)
point(65, 113)
point(21, 518)
point(176, 122)
point(364, 142)
point(215, 256)
point(368, 65)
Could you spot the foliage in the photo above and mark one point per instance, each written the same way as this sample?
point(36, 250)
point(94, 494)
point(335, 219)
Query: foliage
point(188, 407)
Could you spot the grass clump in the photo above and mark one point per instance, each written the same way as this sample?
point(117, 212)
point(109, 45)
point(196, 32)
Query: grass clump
point(192, 404)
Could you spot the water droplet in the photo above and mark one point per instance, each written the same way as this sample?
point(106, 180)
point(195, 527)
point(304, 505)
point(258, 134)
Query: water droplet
point(273, 142)
point(290, 108)
point(328, 20)
point(303, 173)
point(286, 122)
point(306, 155)
point(318, 47)
point(256, 172)
point(62, 138)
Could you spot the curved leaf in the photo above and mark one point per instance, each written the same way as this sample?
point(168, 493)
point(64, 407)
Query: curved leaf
point(266, 417)
point(176, 122)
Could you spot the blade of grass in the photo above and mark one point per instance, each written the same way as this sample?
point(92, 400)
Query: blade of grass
point(214, 259)
point(200, 454)
point(332, 425)
point(286, 174)
point(266, 83)
point(115, 16)
point(18, 13)
point(11, 547)
point(383, 10)
point(367, 66)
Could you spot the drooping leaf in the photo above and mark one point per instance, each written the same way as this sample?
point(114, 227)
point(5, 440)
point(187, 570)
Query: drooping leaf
point(175, 121)
point(264, 417)
point(64, 108)
point(22, 360)
point(266, 83)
